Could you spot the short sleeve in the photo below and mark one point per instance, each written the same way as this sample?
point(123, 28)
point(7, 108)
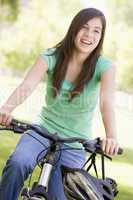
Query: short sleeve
point(103, 64)
point(49, 56)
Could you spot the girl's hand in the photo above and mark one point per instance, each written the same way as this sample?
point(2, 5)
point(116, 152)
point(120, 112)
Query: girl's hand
point(5, 117)
point(110, 146)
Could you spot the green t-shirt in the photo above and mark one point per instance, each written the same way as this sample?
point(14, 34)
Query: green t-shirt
point(71, 119)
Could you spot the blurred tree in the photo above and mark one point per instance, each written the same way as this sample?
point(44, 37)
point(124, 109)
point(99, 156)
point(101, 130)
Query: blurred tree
point(121, 16)
point(125, 61)
point(122, 11)
point(9, 10)
point(40, 24)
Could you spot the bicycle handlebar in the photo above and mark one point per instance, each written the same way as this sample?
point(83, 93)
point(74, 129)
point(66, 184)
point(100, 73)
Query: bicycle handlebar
point(89, 145)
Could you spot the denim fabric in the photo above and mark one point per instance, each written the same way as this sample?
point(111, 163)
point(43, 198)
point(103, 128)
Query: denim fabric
point(22, 162)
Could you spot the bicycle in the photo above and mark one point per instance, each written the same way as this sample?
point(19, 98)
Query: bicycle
point(39, 189)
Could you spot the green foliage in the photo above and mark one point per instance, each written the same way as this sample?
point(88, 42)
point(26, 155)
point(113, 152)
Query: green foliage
point(126, 79)
point(122, 11)
point(39, 25)
point(22, 56)
point(19, 60)
point(120, 47)
point(9, 10)
point(124, 59)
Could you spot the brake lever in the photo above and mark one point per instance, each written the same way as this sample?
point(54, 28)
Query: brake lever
point(93, 146)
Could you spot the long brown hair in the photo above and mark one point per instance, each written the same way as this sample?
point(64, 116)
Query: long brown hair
point(64, 51)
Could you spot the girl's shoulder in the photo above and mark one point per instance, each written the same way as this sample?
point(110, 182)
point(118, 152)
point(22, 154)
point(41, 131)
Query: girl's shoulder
point(103, 60)
point(48, 52)
point(103, 64)
point(49, 56)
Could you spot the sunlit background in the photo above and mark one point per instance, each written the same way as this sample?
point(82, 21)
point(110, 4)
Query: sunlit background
point(29, 26)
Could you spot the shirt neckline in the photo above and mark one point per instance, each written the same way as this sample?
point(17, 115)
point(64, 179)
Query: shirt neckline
point(70, 83)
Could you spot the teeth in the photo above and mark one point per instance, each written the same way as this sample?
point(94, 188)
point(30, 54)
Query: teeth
point(86, 42)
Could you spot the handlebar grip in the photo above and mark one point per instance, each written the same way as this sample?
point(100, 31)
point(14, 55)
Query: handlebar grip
point(18, 126)
point(95, 146)
point(15, 122)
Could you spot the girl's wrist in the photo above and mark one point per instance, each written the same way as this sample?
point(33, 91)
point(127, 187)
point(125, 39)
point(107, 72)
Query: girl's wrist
point(113, 137)
point(7, 108)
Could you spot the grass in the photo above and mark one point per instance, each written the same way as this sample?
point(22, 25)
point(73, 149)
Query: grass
point(127, 157)
point(125, 193)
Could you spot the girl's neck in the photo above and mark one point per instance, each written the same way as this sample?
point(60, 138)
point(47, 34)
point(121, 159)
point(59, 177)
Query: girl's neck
point(78, 58)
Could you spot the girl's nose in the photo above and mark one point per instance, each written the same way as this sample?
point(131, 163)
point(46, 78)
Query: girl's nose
point(89, 34)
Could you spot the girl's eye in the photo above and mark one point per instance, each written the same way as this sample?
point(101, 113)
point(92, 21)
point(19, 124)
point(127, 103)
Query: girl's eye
point(96, 31)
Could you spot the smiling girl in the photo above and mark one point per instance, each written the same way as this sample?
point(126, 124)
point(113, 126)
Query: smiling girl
point(77, 75)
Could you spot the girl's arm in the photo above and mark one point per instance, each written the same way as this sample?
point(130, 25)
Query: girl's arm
point(33, 77)
point(107, 90)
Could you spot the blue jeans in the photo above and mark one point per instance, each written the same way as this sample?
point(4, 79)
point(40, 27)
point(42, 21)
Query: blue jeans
point(22, 162)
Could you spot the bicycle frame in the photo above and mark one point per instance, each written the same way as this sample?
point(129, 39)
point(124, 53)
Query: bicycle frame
point(39, 189)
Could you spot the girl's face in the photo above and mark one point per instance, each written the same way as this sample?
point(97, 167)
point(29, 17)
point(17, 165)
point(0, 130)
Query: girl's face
point(88, 36)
